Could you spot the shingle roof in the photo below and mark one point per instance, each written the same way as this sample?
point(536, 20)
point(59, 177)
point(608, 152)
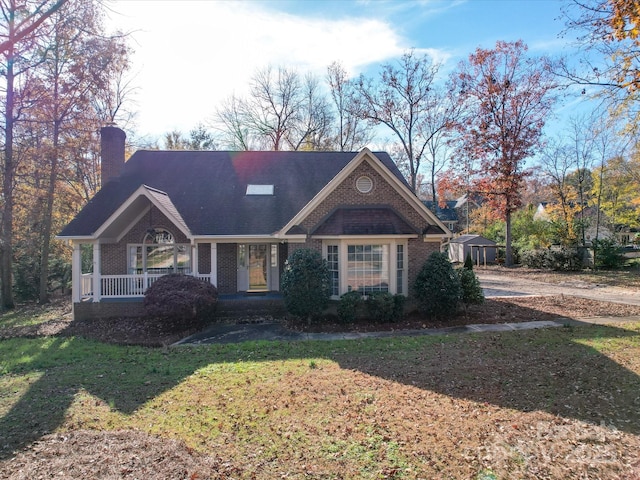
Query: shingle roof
point(447, 213)
point(371, 220)
point(207, 188)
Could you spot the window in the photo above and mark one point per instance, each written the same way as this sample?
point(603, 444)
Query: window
point(159, 254)
point(400, 269)
point(368, 268)
point(334, 269)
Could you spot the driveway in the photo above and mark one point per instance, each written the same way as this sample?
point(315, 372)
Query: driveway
point(496, 285)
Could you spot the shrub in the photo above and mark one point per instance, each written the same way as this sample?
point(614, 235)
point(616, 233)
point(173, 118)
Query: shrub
point(180, 302)
point(348, 306)
point(305, 283)
point(381, 307)
point(437, 286)
point(563, 258)
point(468, 262)
point(607, 254)
point(471, 291)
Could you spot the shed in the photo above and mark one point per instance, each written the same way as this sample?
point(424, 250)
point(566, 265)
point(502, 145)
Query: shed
point(482, 249)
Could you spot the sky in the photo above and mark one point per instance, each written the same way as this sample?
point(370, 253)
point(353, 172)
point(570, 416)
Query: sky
point(191, 55)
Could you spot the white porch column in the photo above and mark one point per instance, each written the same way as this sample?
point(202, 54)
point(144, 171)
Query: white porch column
point(214, 264)
point(76, 273)
point(97, 282)
point(195, 260)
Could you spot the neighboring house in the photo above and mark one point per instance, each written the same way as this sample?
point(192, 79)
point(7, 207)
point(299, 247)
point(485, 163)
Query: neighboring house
point(481, 249)
point(447, 214)
point(233, 218)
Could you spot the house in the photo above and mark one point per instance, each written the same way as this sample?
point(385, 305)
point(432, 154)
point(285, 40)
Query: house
point(481, 249)
point(233, 218)
point(447, 213)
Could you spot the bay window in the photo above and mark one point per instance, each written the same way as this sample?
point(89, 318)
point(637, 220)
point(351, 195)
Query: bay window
point(366, 267)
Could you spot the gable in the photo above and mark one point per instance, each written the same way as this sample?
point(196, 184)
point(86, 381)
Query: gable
point(344, 192)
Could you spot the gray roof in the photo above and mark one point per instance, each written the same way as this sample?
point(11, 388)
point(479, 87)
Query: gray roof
point(473, 240)
point(446, 213)
point(207, 188)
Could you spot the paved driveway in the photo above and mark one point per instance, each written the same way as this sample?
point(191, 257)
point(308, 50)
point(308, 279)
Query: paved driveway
point(496, 285)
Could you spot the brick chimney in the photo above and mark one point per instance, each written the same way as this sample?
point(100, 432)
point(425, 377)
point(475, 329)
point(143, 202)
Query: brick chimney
point(111, 153)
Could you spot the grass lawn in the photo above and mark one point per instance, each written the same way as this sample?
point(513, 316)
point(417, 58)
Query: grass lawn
point(554, 403)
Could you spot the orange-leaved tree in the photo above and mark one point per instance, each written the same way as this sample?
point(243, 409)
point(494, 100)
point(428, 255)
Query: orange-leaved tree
point(508, 97)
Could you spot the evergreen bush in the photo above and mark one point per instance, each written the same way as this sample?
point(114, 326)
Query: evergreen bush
point(381, 307)
point(180, 302)
point(305, 283)
point(348, 306)
point(471, 291)
point(608, 254)
point(437, 286)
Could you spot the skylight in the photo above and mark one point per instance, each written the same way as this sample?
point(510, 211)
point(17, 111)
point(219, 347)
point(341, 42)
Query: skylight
point(253, 189)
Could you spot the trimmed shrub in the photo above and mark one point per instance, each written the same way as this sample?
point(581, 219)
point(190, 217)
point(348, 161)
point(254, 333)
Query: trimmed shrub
point(471, 291)
point(348, 306)
point(180, 302)
point(381, 307)
point(437, 286)
point(305, 283)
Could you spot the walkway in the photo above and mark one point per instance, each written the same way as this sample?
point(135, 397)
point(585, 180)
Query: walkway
point(493, 285)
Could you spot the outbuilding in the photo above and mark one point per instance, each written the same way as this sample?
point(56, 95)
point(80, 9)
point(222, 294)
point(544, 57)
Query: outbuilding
point(483, 251)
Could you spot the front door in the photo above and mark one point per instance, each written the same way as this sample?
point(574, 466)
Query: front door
point(258, 263)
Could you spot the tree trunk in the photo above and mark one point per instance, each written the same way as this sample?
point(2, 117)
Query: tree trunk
point(508, 257)
point(7, 187)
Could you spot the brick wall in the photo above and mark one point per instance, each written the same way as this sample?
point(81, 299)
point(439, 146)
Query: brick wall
point(227, 268)
point(98, 310)
point(346, 194)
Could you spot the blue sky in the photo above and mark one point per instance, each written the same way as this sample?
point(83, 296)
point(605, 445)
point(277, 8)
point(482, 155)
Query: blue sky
point(190, 55)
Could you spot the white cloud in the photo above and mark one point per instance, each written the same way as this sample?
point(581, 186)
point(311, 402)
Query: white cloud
point(191, 55)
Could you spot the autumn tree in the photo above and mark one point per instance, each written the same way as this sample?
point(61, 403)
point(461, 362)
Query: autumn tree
point(21, 24)
point(609, 33)
point(400, 98)
point(77, 60)
point(508, 97)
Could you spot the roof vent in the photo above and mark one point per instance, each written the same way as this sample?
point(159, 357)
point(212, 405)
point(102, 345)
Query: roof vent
point(364, 184)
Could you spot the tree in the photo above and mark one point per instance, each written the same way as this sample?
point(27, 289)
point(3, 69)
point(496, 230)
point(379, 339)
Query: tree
point(283, 111)
point(400, 98)
point(199, 139)
point(22, 23)
point(609, 33)
point(508, 97)
point(351, 134)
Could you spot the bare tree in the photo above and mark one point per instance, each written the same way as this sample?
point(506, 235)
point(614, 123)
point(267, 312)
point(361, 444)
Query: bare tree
point(351, 132)
point(400, 98)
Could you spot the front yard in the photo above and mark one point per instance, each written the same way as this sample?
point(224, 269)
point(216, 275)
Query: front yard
point(558, 403)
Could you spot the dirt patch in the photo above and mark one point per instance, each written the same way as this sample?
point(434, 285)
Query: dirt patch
point(113, 455)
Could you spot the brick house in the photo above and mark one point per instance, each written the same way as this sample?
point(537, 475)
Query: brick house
point(232, 218)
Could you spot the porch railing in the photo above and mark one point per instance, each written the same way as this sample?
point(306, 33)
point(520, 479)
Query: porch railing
point(123, 286)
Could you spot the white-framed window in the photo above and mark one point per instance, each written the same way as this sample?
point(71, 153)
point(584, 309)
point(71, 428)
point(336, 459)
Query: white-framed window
point(366, 265)
point(159, 253)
